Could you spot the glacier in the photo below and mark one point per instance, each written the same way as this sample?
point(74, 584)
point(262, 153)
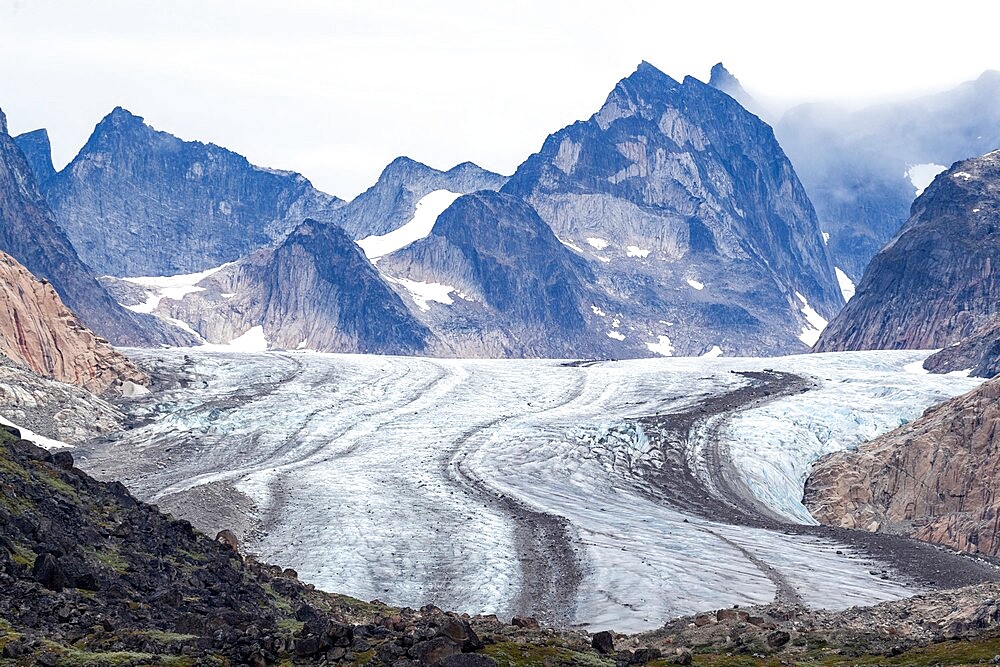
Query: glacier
point(416, 480)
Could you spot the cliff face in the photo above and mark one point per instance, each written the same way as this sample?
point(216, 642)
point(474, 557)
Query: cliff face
point(37, 330)
point(683, 202)
point(937, 281)
point(138, 202)
point(934, 479)
point(979, 353)
point(315, 290)
point(30, 234)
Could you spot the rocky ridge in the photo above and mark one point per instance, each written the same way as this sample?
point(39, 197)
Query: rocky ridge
point(37, 330)
point(933, 479)
point(937, 281)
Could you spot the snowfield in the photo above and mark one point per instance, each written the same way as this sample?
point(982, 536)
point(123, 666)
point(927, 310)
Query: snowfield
point(418, 481)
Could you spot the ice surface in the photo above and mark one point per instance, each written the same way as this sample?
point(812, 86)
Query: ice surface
point(847, 288)
point(352, 462)
point(716, 351)
point(419, 226)
point(922, 175)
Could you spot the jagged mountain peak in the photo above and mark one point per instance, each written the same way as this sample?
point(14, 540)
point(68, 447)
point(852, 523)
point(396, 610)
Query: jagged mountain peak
point(3, 122)
point(38, 150)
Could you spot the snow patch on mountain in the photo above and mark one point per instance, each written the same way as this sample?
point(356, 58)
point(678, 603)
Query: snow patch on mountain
point(598, 243)
point(636, 251)
point(815, 323)
point(922, 175)
point(696, 284)
point(419, 226)
point(661, 347)
point(169, 287)
point(423, 293)
point(847, 287)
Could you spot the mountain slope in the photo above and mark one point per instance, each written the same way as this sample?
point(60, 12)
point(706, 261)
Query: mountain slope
point(875, 160)
point(505, 285)
point(315, 290)
point(688, 210)
point(37, 330)
point(138, 202)
point(30, 234)
point(936, 282)
point(392, 201)
point(933, 479)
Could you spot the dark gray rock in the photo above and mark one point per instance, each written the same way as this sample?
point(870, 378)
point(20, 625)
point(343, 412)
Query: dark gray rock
point(937, 282)
point(980, 352)
point(603, 642)
point(138, 202)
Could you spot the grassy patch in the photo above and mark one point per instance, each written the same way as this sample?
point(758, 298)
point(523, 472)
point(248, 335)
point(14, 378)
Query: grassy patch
point(510, 654)
point(23, 556)
point(290, 625)
point(52, 479)
point(108, 557)
point(161, 637)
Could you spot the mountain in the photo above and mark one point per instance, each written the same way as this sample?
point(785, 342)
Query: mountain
point(38, 331)
point(38, 151)
point(139, 202)
point(932, 479)
point(862, 168)
point(690, 214)
point(936, 282)
point(393, 200)
point(501, 282)
point(979, 353)
point(30, 234)
point(721, 79)
point(315, 290)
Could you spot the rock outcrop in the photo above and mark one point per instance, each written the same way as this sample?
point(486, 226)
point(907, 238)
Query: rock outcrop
point(38, 151)
point(138, 202)
point(862, 168)
point(687, 210)
point(937, 281)
point(391, 202)
point(315, 290)
point(934, 479)
point(37, 330)
point(979, 353)
point(30, 234)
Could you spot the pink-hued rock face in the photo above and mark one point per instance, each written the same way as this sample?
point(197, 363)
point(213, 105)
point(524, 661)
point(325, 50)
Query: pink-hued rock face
point(933, 479)
point(37, 330)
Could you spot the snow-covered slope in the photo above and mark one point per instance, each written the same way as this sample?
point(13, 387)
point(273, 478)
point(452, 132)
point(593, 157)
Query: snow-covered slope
point(467, 483)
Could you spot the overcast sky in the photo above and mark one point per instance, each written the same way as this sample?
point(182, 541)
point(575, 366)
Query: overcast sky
point(335, 90)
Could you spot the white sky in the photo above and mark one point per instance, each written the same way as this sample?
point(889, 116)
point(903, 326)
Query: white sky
point(336, 90)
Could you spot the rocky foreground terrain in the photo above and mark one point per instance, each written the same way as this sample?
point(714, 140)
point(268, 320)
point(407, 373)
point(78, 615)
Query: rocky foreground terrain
point(933, 479)
point(90, 576)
